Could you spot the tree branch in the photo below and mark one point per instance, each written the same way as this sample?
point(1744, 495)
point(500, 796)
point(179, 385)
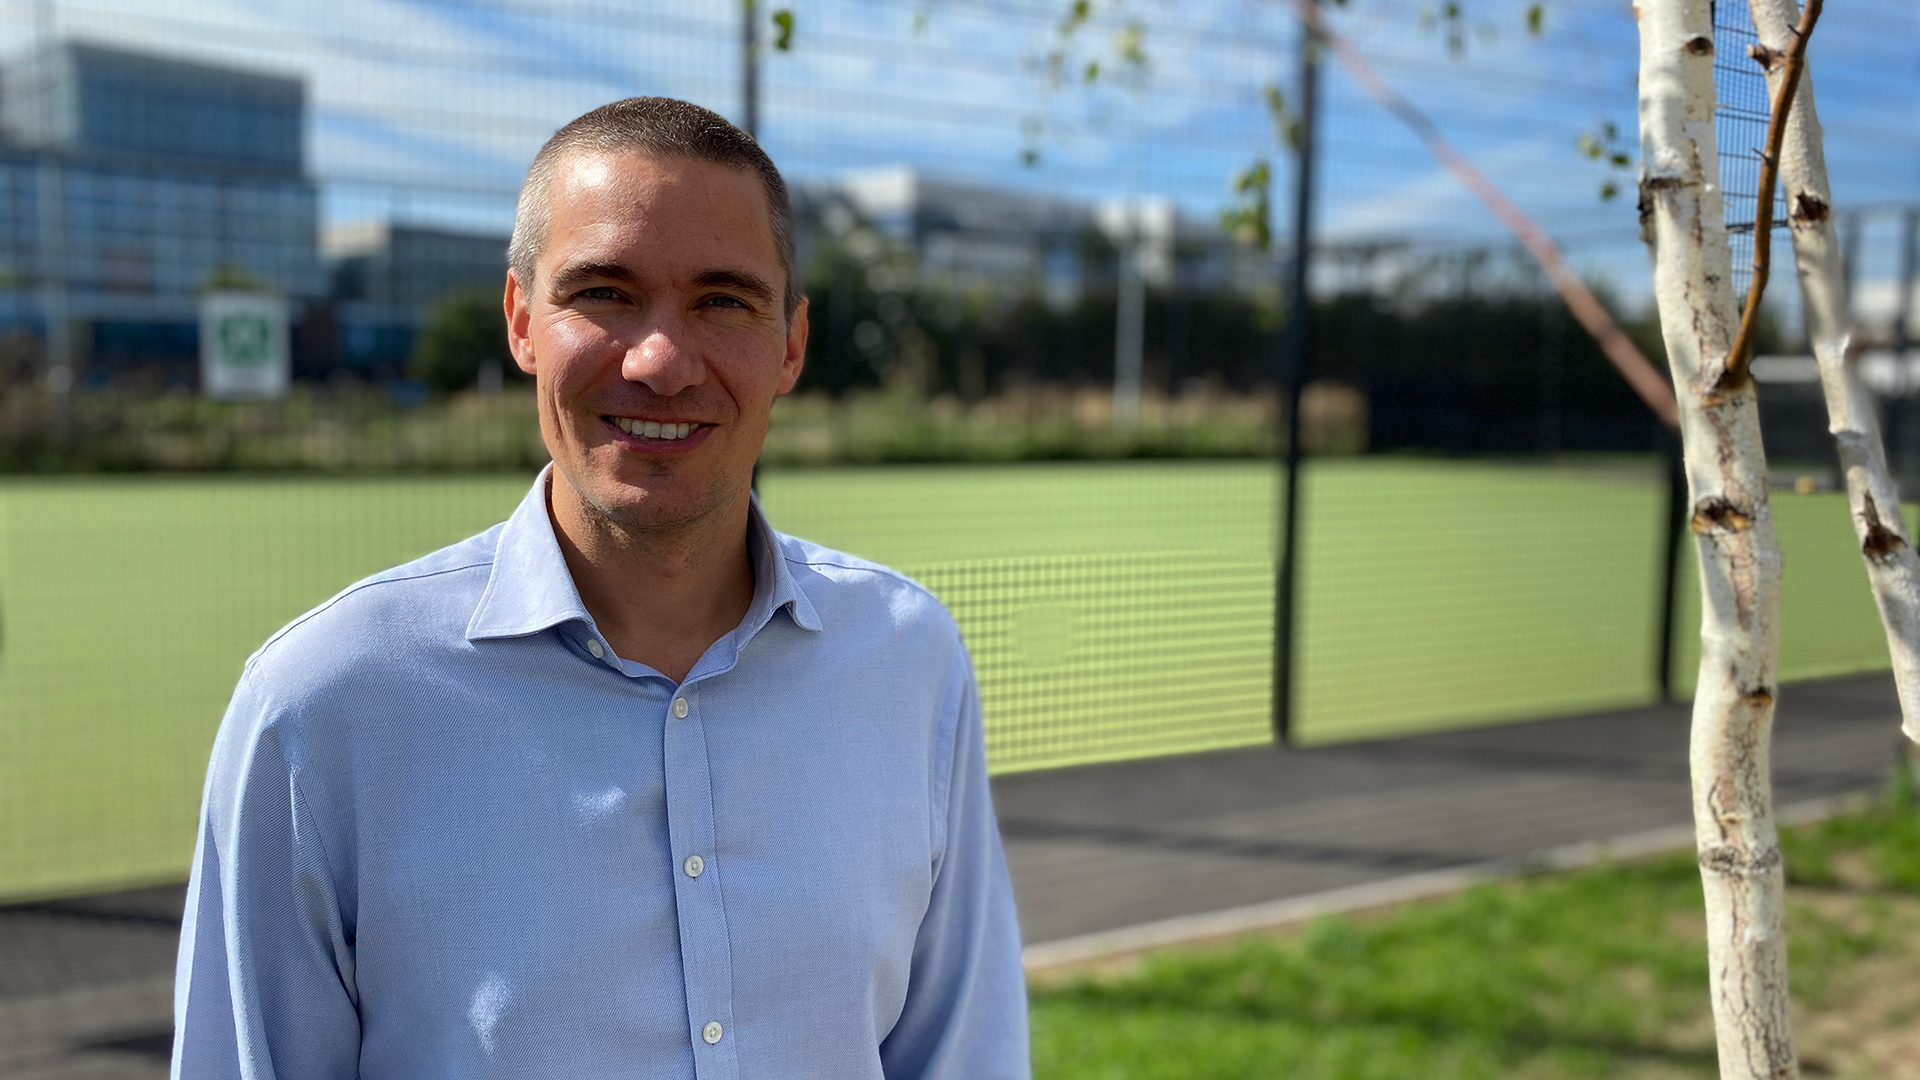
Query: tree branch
point(1626, 357)
point(1739, 360)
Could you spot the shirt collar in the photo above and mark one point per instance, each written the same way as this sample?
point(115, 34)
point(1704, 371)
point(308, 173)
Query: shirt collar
point(530, 590)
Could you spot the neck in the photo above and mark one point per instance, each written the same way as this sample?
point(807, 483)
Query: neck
point(659, 597)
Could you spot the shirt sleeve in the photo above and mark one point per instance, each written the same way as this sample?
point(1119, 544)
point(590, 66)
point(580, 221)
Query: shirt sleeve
point(965, 1016)
point(264, 987)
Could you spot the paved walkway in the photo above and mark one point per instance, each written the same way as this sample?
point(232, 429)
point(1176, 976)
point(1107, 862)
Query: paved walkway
point(85, 984)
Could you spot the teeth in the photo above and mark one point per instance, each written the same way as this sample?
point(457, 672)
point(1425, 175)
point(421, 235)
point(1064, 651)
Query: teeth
point(653, 429)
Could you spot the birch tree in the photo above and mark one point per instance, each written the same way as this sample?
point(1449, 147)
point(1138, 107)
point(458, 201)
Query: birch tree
point(1892, 568)
point(1683, 216)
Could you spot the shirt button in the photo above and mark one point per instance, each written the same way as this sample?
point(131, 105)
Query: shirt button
point(711, 1032)
point(599, 652)
point(679, 708)
point(694, 866)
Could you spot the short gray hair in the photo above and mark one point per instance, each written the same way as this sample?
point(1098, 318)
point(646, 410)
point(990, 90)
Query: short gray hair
point(655, 127)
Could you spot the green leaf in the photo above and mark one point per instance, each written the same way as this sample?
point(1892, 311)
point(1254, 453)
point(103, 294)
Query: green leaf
point(1077, 15)
point(783, 40)
point(1092, 71)
point(1536, 15)
point(1608, 189)
point(1276, 101)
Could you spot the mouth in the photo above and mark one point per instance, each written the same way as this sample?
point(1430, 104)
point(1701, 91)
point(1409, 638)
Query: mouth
point(653, 429)
point(657, 436)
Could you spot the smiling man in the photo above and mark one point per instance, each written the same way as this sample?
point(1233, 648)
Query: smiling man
point(631, 784)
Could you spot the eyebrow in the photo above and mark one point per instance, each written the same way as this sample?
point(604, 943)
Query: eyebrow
point(569, 276)
point(722, 278)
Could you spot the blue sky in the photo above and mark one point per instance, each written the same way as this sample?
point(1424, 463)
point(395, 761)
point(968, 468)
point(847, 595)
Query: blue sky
point(428, 110)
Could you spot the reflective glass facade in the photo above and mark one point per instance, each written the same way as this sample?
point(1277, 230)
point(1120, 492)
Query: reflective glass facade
point(136, 181)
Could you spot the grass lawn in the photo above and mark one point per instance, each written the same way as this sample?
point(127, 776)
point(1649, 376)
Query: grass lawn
point(1113, 608)
point(1600, 973)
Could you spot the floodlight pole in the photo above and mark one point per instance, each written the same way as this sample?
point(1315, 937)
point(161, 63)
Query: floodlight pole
point(1293, 370)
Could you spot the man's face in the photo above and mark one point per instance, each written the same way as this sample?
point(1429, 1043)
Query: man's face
point(655, 334)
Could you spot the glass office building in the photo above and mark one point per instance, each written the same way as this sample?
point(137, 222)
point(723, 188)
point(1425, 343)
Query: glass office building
point(129, 183)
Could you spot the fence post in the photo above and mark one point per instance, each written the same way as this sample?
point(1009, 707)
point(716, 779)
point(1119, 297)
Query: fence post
point(749, 69)
point(1676, 524)
point(1293, 371)
point(1905, 450)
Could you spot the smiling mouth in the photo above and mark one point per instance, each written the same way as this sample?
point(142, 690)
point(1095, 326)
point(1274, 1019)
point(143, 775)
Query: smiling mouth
point(650, 429)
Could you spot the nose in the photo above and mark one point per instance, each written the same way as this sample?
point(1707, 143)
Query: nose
point(663, 361)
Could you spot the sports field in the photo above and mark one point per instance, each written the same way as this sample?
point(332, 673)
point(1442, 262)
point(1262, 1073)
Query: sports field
point(1114, 609)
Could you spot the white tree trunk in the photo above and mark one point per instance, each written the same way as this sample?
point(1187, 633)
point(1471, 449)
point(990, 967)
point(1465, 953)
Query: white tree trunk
point(1682, 213)
point(1892, 568)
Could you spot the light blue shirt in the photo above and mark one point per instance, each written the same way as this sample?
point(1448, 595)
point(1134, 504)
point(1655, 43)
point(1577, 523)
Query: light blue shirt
point(447, 833)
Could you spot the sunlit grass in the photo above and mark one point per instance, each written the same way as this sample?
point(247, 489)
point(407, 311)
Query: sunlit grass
point(1598, 973)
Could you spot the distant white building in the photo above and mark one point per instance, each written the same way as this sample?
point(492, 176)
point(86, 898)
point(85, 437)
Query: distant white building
point(970, 236)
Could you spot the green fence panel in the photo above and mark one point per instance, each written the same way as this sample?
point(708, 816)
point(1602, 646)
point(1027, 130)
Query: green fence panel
point(1439, 593)
point(1828, 623)
point(128, 608)
point(1114, 609)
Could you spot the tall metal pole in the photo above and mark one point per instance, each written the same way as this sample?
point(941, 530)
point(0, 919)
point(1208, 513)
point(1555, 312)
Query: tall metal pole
point(1293, 371)
point(750, 113)
point(749, 68)
point(1130, 323)
point(53, 244)
point(1906, 441)
point(1675, 523)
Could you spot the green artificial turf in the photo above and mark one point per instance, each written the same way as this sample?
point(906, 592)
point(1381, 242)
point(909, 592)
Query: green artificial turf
point(1114, 609)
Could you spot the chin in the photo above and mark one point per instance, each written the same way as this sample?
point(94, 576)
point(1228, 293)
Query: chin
point(640, 508)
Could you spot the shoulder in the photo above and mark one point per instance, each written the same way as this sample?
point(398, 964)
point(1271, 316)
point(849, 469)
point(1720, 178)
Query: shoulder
point(381, 619)
point(847, 585)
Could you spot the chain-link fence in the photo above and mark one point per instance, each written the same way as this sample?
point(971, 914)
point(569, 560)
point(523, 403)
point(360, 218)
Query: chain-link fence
point(1042, 377)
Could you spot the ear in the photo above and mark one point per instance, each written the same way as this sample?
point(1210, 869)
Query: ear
point(796, 355)
point(515, 303)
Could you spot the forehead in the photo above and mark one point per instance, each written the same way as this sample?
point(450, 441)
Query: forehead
point(662, 205)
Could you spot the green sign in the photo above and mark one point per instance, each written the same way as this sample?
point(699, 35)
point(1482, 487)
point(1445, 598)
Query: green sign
point(245, 339)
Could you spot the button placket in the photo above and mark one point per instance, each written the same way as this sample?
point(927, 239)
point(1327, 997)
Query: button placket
point(705, 954)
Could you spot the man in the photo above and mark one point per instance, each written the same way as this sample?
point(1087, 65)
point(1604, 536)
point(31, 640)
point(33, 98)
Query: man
point(630, 785)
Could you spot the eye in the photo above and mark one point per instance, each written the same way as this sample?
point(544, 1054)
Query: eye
point(728, 302)
point(598, 292)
